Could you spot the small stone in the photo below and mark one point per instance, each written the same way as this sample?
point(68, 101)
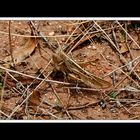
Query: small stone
point(89, 47)
point(138, 70)
point(19, 23)
point(50, 97)
point(49, 23)
point(51, 33)
point(112, 110)
point(92, 47)
point(59, 26)
point(63, 39)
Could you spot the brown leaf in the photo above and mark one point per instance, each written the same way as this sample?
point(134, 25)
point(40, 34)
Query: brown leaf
point(20, 54)
point(34, 99)
point(123, 48)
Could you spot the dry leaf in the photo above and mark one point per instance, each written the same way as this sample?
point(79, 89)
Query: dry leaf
point(34, 99)
point(123, 48)
point(20, 54)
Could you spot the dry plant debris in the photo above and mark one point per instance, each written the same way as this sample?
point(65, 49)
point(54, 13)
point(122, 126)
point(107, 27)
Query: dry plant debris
point(69, 70)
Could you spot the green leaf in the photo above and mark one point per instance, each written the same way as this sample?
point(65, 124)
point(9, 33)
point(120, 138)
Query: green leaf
point(113, 95)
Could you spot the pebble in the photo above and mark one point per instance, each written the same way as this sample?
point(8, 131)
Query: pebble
point(92, 47)
point(51, 33)
point(50, 97)
point(137, 70)
point(107, 56)
point(19, 23)
point(113, 110)
point(60, 26)
point(49, 23)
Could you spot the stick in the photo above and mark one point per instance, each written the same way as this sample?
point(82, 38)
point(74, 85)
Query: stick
point(11, 50)
point(33, 77)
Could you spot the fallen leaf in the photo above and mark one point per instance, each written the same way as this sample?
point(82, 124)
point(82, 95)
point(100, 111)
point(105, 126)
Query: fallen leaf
point(123, 48)
point(34, 99)
point(20, 54)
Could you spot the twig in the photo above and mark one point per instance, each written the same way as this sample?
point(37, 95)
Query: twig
point(126, 75)
point(35, 36)
point(114, 37)
point(76, 23)
point(58, 98)
point(38, 108)
point(135, 117)
point(84, 106)
point(118, 101)
point(126, 38)
point(77, 43)
point(56, 95)
point(128, 34)
point(41, 34)
point(33, 77)
point(126, 100)
point(2, 92)
point(119, 68)
point(42, 81)
point(49, 104)
point(88, 37)
point(131, 89)
point(3, 113)
point(45, 114)
point(65, 48)
point(108, 38)
point(88, 89)
point(114, 78)
point(131, 54)
point(18, 106)
point(126, 109)
point(15, 79)
point(11, 50)
point(48, 36)
point(51, 114)
point(122, 58)
point(127, 88)
point(77, 107)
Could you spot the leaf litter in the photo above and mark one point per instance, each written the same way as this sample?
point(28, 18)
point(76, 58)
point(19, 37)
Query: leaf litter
point(88, 49)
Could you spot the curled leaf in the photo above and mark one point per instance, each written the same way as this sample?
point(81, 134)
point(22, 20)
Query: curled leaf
point(123, 48)
point(20, 54)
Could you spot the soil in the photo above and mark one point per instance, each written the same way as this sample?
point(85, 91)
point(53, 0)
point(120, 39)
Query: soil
point(106, 49)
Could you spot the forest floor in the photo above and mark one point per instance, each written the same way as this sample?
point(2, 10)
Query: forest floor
point(69, 70)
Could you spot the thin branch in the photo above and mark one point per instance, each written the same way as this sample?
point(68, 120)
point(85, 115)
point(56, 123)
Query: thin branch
point(48, 36)
point(3, 113)
point(84, 106)
point(10, 44)
point(42, 35)
point(33, 77)
point(128, 34)
point(77, 43)
point(2, 92)
point(119, 68)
